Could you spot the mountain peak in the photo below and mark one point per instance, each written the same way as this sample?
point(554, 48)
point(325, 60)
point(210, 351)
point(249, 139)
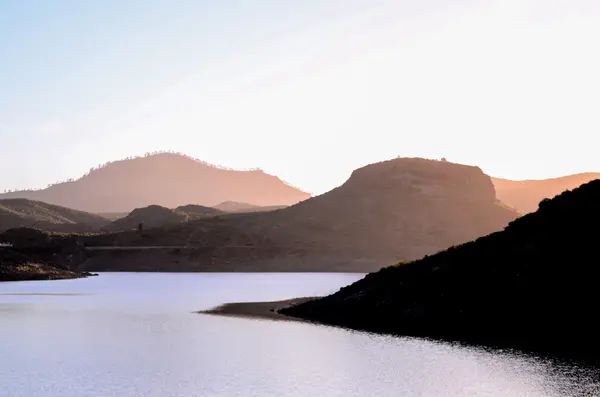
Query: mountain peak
point(167, 179)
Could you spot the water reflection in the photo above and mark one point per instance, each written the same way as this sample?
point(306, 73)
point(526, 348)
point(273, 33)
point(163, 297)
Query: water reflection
point(136, 335)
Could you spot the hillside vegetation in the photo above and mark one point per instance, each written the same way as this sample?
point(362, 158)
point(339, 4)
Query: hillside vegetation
point(28, 213)
point(532, 286)
point(394, 210)
point(166, 179)
point(525, 195)
point(157, 216)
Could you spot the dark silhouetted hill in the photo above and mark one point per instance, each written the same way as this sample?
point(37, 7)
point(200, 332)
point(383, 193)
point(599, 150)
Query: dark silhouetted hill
point(36, 255)
point(532, 286)
point(15, 266)
point(165, 179)
point(232, 206)
point(28, 213)
point(157, 216)
point(394, 210)
point(525, 195)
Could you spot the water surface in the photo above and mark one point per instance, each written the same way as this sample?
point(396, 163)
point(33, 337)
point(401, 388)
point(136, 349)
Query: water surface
point(136, 334)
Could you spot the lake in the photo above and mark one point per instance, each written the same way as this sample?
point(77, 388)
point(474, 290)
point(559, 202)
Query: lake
point(136, 334)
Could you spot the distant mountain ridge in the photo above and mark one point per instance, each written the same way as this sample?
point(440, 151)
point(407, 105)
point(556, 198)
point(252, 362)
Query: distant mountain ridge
point(399, 209)
point(166, 179)
point(526, 194)
point(16, 213)
point(232, 206)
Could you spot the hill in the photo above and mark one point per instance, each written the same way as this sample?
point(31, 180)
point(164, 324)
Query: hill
point(28, 213)
point(525, 195)
point(532, 286)
point(156, 216)
point(394, 210)
point(232, 206)
point(38, 255)
point(165, 179)
point(15, 266)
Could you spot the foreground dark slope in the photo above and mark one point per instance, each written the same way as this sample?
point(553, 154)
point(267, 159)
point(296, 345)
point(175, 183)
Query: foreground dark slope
point(165, 179)
point(386, 212)
point(525, 195)
point(532, 286)
point(28, 213)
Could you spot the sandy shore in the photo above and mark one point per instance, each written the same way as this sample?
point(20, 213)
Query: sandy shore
point(263, 310)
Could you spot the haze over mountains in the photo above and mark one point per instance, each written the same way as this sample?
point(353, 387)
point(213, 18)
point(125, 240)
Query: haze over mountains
point(394, 210)
point(166, 179)
point(525, 195)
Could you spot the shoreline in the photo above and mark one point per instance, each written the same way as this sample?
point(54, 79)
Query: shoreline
point(270, 311)
point(258, 310)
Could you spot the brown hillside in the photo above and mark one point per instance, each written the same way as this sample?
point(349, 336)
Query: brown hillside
point(387, 212)
point(232, 206)
point(157, 216)
point(27, 213)
point(526, 195)
point(165, 179)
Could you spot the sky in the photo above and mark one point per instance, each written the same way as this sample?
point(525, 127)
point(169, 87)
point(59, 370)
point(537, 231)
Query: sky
point(306, 90)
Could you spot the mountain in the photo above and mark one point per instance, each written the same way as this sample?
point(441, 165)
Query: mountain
point(525, 195)
point(165, 179)
point(532, 286)
point(28, 213)
point(394, 210)
point(232, 206)
point(156, 216)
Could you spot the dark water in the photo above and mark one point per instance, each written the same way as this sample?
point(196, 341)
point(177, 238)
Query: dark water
point(124, 335)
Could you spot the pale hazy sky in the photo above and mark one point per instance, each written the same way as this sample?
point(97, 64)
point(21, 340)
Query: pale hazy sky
point(307, 90)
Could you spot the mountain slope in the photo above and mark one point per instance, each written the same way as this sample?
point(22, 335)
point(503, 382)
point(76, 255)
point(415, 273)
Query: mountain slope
point(165, 179)
point(232, 206)
point(157, 216)
point(525, 195)
point(394, 210)
point(532, 286)
point(27, 213)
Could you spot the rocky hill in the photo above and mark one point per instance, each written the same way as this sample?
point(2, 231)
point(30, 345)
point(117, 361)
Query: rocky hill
point(165, 179)
point(525, 195)
point(157, 216)
point(532, 286)
point(394, 210)
point(28, 213)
